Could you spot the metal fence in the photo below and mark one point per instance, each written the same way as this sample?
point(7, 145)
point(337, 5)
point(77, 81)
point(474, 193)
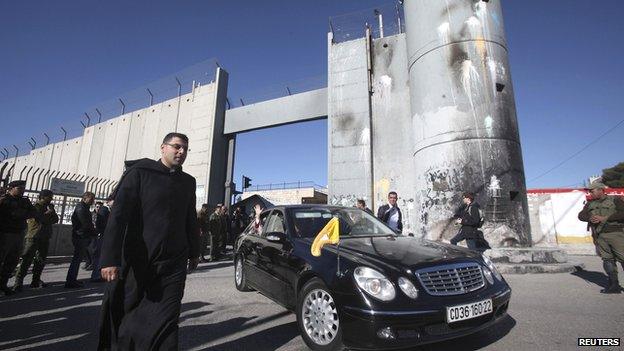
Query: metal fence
point(63, 205)
point(383, 20)
point(40, 178)
point(284, 185)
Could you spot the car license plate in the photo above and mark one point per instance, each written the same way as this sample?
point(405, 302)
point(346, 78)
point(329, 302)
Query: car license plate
point(468, 311)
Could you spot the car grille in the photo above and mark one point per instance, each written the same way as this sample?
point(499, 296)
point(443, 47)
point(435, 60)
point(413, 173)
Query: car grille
point(453, 279)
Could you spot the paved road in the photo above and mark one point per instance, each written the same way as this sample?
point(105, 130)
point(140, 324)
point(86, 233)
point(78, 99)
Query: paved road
point(547, 312)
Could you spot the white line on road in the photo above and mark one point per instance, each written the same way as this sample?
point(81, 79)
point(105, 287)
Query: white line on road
point(47, 342)
point(56, 310)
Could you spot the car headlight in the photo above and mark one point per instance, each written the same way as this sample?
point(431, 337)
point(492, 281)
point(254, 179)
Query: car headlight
point(491, 267)
point(374, 283)
point(408, 288)
point(488, 275)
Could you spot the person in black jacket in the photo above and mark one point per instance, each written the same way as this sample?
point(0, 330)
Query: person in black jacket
point(101, 219)
point(469, 218)
point(14, 210)
point(82, 233)
point(391, 213)
point(151, 240)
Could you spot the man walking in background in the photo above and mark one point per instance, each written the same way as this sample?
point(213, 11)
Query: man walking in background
point(83, 232)
point(36, 242)
point(151, 239)
point(101, 220)
point(391, 213)
point(217, 232)
point(469, 218)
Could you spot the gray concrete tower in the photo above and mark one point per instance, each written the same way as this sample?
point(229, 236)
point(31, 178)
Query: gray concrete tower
point(464, 118)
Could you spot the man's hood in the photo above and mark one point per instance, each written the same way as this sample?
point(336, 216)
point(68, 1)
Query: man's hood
point(149, 164)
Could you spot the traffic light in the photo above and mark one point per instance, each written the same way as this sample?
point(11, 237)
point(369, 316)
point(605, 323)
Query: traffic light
point(246, 182)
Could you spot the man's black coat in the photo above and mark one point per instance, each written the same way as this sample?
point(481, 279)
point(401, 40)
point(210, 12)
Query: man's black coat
point(82, 222)
point(151, 233)
point(384, 215)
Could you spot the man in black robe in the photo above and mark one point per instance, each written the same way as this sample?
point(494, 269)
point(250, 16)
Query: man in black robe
point(151, 234)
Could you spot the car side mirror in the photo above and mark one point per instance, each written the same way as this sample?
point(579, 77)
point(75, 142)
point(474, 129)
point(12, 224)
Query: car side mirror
point(276, 237)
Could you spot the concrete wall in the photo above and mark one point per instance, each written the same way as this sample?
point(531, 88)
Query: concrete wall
point(287, 196)
point(102, 148)
point(392, 127)
point(306, 106)
point(349, 123)
point(554, 218)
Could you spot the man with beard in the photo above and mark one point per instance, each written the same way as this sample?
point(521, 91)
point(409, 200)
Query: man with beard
point(151, 234)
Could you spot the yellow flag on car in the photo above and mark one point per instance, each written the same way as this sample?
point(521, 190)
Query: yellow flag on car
point(330, 234)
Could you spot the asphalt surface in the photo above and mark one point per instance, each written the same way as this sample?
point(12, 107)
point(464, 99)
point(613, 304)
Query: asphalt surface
point(547, 312)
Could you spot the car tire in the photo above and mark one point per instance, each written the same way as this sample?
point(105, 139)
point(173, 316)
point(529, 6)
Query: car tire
point(315, 307)
point(240, 280)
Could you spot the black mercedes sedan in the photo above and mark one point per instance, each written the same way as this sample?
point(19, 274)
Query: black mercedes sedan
point(374, 289)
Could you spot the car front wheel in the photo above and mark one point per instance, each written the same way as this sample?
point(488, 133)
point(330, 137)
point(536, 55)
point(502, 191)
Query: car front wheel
point(317, 317)
point(240, 280)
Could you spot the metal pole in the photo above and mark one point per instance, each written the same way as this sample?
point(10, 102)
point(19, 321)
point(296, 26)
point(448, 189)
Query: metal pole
point(179, 100)
point(27, 174)
point(34, 142)
point(398, 14)
point(88, 119)
point(123, 106)
point(151, 96)
point(63, 208)
point(380, 20)
point(99, 115)
point(47, 139)
point(64, 133)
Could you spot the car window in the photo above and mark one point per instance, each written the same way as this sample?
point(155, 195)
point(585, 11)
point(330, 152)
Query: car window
point(256, 226)
point(308, 222)
point(275, 223)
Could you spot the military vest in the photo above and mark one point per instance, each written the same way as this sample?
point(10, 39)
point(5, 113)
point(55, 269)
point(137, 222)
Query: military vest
point(604, 207)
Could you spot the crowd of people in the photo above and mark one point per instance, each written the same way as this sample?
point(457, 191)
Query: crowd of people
point(147, 236)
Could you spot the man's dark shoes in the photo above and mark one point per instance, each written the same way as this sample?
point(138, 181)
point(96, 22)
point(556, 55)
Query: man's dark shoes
point(612, 289)
point(6, 290)
point(73, 285)
point(37, 284)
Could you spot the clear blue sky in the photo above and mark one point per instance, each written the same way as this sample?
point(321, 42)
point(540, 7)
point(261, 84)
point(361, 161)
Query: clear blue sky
point(59, 58)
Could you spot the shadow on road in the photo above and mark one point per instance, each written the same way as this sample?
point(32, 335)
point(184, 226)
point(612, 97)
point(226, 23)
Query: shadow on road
point(52, 318)
point(597, 278)
point(196, 336)
point(267, 339)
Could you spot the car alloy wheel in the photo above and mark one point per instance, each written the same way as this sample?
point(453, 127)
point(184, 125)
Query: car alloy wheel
point(319, 317)
point(239, 275)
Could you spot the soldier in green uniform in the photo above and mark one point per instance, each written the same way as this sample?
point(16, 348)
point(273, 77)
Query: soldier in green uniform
point(605, 214)
point(37, 241)
point(14, 210)
point(217, 231)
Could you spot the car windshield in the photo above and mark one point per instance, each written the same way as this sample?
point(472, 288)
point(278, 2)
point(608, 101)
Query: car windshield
point(308, 222)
